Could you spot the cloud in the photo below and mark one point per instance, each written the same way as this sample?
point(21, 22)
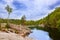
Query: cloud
point(33, 9)
point(54, 5)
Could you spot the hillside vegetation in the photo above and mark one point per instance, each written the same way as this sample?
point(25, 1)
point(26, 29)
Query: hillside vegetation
point(52, 24)
point(53, 19)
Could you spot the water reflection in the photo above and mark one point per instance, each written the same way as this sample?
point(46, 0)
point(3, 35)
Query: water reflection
point(39, 35)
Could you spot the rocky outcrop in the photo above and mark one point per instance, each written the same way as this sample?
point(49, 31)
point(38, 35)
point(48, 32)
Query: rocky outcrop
point(22, 30)
point(18, 29)
point(12, 36)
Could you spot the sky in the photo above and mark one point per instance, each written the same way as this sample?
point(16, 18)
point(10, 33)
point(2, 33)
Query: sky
point(32, 9)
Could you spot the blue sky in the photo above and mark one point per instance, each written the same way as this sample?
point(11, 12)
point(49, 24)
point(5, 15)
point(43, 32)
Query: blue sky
point(32, 9)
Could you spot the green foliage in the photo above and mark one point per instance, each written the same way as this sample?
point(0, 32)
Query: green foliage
point(31, 22)
point(7, 26)
point(58, 24)
point(9, 10)
point(53, 18)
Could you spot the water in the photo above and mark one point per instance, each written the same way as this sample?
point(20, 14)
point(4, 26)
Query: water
point(40, 35)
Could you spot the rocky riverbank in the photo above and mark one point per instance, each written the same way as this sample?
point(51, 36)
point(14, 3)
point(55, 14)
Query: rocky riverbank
point(12, 36)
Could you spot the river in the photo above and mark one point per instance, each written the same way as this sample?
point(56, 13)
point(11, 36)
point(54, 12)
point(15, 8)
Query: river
point(40, 35)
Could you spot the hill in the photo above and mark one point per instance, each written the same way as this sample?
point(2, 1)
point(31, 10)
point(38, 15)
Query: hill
point(52, 24)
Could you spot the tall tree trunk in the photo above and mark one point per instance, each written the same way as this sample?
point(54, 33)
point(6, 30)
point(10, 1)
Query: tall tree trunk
point(8, 18)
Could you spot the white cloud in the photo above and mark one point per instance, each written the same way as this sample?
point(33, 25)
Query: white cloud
point(8, 1)
point(36, 9)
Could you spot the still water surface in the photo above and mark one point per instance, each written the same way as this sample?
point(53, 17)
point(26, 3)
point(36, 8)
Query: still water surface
point(40, 35)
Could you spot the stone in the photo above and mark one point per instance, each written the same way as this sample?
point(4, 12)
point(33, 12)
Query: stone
point(12, 36)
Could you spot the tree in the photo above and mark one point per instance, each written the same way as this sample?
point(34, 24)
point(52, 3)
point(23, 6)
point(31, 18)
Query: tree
point(9, 10)
point(23, 20)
